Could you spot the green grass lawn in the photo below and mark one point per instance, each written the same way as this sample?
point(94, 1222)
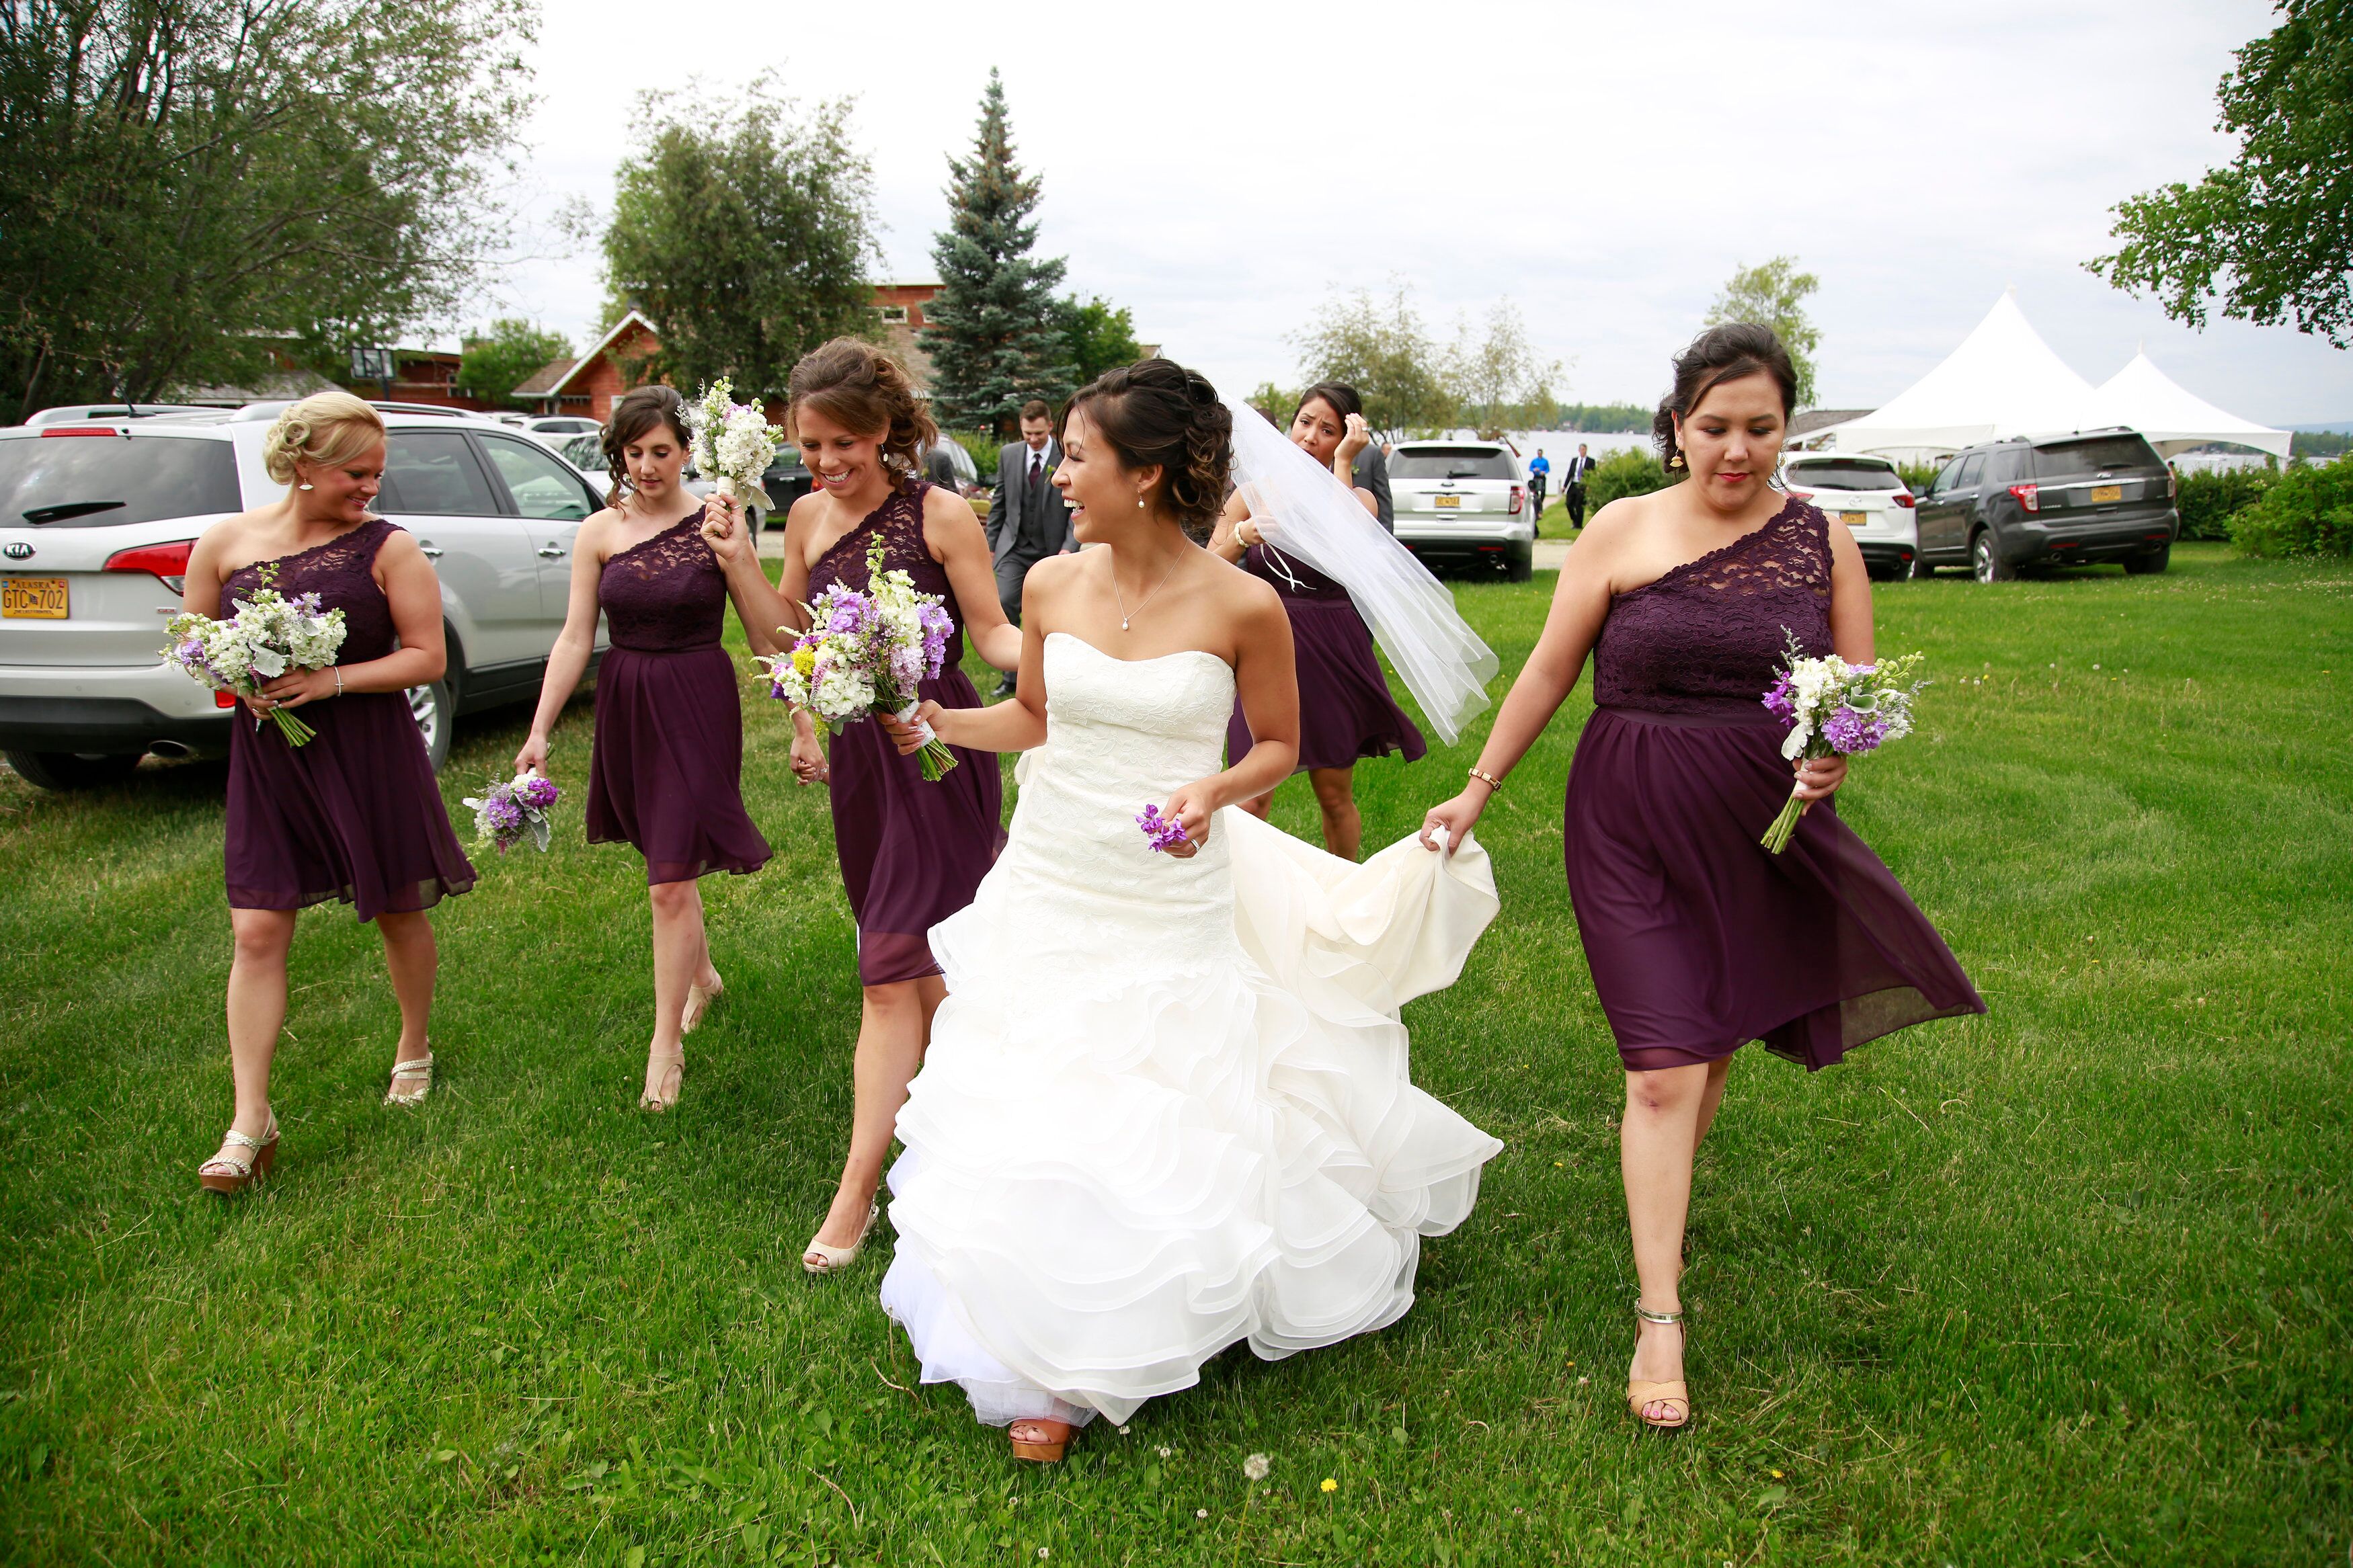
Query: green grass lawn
point(2064, 1284)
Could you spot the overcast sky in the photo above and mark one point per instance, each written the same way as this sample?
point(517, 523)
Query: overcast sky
point(1221, 168)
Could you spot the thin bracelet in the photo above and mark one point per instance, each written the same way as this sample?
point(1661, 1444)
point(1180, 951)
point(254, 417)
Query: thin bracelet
point(339, 679)
point(1490, 780)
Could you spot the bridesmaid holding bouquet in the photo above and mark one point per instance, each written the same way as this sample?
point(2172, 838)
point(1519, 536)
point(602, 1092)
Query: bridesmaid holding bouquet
point(913, 850)
point(353, 812)
point(665, 767)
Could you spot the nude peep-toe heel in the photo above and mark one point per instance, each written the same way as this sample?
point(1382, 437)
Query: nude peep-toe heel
point(226, 1173)
point(1051, 1442)
point(416, 1068)
point(674, 1077)
point(698, 1002)
point(818, 1258)
point(1675, 1395)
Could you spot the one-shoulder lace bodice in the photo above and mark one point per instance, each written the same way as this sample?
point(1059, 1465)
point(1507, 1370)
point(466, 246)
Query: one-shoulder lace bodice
point(666, 593)
point(1707, 637)
point(342, 572)
point(900, 520)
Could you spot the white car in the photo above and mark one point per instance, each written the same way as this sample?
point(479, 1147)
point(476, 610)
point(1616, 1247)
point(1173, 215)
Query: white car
point(1867, 495)
point(562, 425)
point(1463, 502)
point(97, 519)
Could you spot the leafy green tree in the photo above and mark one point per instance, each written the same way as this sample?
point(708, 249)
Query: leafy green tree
point(1604, 418)
point(199, 190)
point(1494, 375)
point(1774, 295)
point(1379, 347)
point(2272, 235)
point(745, 233)
point(1097, 336)
point(994, 332)
point(498, 360)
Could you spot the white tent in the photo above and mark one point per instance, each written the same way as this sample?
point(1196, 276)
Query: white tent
point(2148, 400)
point(2003, 379)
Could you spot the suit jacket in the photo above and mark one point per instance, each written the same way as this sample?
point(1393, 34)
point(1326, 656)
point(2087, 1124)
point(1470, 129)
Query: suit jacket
point(1372, 473)
point(1004, 506)
point(1573, 470)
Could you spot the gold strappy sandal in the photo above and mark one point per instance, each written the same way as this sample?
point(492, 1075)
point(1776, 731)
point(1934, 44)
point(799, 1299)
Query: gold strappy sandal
point(1675, 1395)
point(420, 1068)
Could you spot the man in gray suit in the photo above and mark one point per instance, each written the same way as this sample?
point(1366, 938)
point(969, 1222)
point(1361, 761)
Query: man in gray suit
point(1028, 519)
point(1372, 473)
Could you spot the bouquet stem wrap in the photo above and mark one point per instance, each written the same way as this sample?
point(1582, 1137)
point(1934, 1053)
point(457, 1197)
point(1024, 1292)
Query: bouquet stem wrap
point(935, 756)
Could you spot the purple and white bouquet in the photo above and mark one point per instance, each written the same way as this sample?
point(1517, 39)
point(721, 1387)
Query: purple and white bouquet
point(507, 814)
point(733, 442)
point(865, 652)
point(1161, 833)
point(269, 634)
point(1835, 709)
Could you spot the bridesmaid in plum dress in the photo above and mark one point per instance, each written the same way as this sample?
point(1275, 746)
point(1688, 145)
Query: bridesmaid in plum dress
point(354, 814)
point(1346, 712)
point(665, 767)
point(911, 852)
point(1699, 939)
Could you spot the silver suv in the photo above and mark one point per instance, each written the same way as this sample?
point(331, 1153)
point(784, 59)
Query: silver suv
point(1463, 502)
point(98, 515)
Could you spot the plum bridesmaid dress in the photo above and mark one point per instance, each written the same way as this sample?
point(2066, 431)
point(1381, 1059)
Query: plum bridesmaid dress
point(1699, 939)
point(354, 814)
point(1346, 712)
point(666, 770)
point(911, 851)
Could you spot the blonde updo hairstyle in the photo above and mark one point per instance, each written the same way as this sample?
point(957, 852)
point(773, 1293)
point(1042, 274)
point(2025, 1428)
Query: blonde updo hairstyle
point(323, 430)
point(867, 393)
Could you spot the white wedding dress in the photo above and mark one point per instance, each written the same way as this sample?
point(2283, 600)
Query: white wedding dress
point(1166, 1105)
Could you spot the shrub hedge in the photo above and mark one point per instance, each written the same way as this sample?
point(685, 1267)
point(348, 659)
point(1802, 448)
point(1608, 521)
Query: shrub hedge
point(2306, 511)
point(2207, 500)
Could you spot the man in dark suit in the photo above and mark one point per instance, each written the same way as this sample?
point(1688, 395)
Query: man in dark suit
point(1372, 473)
point(1028, 519)
point(1572, 485)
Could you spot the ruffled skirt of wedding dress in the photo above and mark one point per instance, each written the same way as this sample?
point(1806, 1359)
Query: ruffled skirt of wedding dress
point(1120, 1159)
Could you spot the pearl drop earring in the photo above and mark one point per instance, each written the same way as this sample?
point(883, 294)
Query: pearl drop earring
point(303, 486)
point(1139, 502)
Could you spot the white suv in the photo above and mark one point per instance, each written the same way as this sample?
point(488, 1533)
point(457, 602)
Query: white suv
point(1868, 496)
point(97, 518)
point(1463, 502)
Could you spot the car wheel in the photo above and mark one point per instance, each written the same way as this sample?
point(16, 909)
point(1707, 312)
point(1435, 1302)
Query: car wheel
point(433, 708)
point(1986, 564)
point(2142, 565)
point(73, 770)
point(1920, 571)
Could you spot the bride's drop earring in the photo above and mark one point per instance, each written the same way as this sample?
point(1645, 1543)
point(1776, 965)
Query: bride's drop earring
point(303, 486)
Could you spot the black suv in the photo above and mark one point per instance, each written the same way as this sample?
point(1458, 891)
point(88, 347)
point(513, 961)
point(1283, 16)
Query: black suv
point(2050, 501)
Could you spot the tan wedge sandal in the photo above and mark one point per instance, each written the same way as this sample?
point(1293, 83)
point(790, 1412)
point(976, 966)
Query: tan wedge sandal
point(1047, 1442)
point(1675, 1395)
point(228, 1173)
point(698, 1002)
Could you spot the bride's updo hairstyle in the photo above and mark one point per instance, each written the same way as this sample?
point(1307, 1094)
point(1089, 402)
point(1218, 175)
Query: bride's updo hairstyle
point(867, 393)
point(1157, 411)
point(323, 429)
point(638, 415)
point(1717, 355)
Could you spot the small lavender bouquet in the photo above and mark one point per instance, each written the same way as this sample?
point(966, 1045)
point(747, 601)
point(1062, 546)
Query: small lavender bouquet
point(866, 653)
point(1835, 709)
point(507, 814)
point(1161, 833)
point(733, 442)
point(269, 634)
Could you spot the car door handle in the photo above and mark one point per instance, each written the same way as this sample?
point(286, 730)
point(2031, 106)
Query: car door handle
point(551, 551)
point(431, 552)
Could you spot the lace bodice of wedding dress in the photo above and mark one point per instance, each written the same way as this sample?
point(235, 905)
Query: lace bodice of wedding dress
point(1167, 1103)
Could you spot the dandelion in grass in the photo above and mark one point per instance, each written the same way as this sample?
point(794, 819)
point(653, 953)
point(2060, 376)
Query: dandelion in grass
point(1329, 1484)
point(1256, 1467)
point(1835, 709)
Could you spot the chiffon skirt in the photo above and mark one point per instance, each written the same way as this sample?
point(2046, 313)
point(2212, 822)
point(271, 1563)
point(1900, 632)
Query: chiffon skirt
point(1699, 939)
point(355, 813)
point(667, 768)
point(1346, 712)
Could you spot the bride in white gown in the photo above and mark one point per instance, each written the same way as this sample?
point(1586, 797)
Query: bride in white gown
point(1165, 1106)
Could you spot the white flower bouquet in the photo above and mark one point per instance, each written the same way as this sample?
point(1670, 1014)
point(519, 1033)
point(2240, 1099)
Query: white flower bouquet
point(269, 634)
point(733, 442)
point(1835, 709)
point(865, 652)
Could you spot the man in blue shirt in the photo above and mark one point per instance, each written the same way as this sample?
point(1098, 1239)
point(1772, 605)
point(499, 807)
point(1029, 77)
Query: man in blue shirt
point(1539, 476)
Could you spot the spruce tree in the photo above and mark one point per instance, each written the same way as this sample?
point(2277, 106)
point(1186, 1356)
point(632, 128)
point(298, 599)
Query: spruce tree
point(993, 331)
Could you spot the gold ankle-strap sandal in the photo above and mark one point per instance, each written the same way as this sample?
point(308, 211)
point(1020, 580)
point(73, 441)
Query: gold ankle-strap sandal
point(419, 1069)
point(1675, 1395)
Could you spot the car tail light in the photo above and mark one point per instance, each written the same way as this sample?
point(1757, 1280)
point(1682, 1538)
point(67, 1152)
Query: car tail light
point(1800, 495)
point(82, 430)
point(2029, 497)
point(1903, 499)
point(224, 699)
point(168, 562)
point(1516, 496)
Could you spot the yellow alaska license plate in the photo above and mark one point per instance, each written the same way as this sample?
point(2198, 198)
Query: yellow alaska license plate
point(1447, 503)
point(33, 599)
point(2103, 494)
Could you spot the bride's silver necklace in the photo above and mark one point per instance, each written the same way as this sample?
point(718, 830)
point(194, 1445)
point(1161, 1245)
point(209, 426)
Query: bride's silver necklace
point(1126, 615)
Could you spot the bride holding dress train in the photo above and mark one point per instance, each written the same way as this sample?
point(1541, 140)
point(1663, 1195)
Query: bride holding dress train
point(1167, 1105)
